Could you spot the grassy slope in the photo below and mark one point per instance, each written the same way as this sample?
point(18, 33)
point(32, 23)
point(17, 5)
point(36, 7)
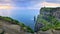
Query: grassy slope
point(13, 21)
point(51, 23)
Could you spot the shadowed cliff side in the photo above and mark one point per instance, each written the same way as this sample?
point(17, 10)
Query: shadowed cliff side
point(48, 20)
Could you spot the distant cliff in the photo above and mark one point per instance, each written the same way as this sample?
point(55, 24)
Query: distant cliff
point(48, 19)
point(12, 26)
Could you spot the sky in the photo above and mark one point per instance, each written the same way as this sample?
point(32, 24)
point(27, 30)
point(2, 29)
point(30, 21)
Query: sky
point(6, 6)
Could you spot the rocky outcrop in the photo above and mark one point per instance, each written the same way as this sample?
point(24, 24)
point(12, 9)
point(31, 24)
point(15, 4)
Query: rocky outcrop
point(49, 32)
point(56, 31)
point(50, 19)
point(9, 28)
point(45, 32)
point(12, 27)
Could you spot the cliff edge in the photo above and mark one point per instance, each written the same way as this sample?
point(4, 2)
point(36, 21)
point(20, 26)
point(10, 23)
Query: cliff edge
point(12, 26)
point(48, 20)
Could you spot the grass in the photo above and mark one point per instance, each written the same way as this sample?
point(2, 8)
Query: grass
point(13, 21)
point(51, 23)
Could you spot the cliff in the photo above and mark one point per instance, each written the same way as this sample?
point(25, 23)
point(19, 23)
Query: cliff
point(12, 26)
point(48, 20)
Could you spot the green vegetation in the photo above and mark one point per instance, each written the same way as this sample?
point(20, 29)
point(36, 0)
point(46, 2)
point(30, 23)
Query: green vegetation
point(13, 21)
point(48, 20)
point(46, 9)
point(46, 24)
point(26, 28)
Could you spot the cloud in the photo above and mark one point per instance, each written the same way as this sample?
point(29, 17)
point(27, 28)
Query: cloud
point(5, 1)
point(5, 7)
point(38, 5)
point(47, 4)
point(52, 0)
point(43, 4)
point(5, 4)
point(34, 4)
point(8, 5)
point(24, 8)
point(5, 10)
point(15, 4)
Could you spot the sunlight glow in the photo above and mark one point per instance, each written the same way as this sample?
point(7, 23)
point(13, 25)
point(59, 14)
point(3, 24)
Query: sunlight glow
point(5, 7)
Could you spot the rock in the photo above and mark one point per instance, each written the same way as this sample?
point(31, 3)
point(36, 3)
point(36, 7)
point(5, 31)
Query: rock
point(38, 26)
point(12, 26)
point(45, 32)
point(56, 31)
point(1, 30)
point(47, 16)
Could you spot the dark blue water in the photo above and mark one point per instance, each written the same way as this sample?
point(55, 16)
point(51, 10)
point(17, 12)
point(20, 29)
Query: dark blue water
point(25, 16)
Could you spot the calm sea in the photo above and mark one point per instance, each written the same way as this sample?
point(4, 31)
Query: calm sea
point(25, 16)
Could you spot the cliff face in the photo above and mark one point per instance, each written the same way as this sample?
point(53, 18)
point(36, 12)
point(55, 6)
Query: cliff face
point(45, 12)
point(11, 26)
point(48, 17)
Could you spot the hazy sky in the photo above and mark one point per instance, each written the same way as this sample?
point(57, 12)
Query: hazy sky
point(7, 5)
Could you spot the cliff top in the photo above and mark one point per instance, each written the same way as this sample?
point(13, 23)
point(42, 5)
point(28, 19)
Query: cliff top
point(13, 24)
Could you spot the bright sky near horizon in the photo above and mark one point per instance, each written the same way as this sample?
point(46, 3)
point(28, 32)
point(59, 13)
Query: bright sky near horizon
point(28, 4)
point(8, 5)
